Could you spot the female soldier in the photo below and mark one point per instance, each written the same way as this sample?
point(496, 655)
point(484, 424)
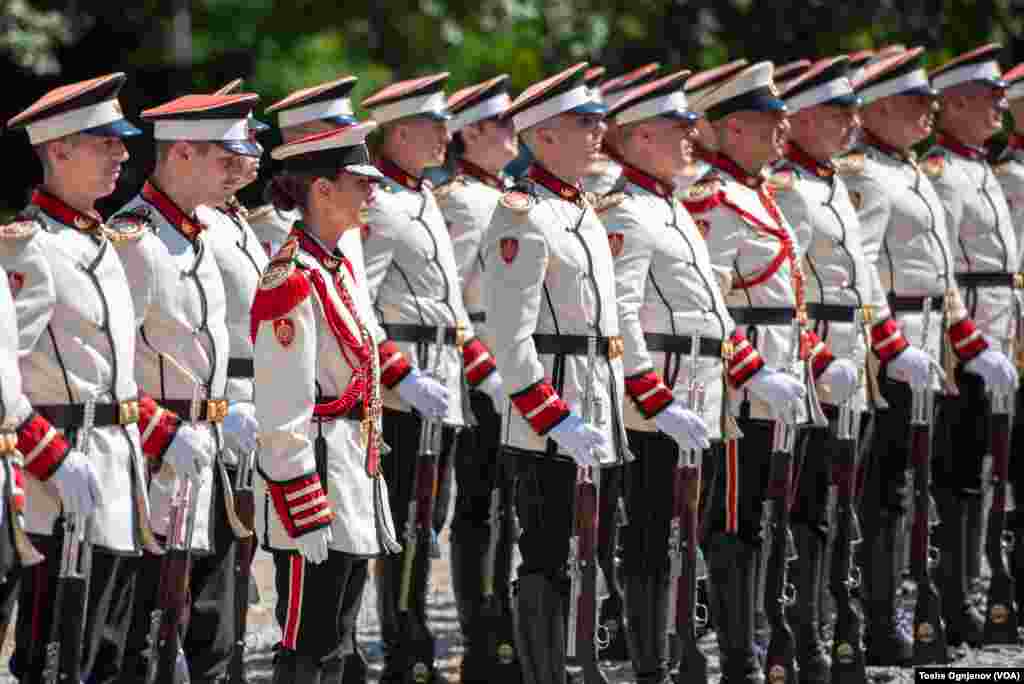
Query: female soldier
point(317, 375)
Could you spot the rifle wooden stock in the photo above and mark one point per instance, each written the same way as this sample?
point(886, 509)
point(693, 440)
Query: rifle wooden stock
point(693, 664)
point(780, 661)
point(583, 614)
point(63, 653)
point(496, 629)
point(175, 569)
point(929, 629)
point(1001, 616)
point(848, 661)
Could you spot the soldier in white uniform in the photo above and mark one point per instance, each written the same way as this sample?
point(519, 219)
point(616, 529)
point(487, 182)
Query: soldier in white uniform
point(14, 407)
point(603, 170)
point(758, 262)
point(844, 299)
point(76, 344)
point(317, 109)
point(414, 284)
point(319, 403)
point(183, 348)
point(903, 232)
point(1009, 170)
point(985, 256)
point(705, 140)
point(548, 273)
point(483, 143)
point(667, 292)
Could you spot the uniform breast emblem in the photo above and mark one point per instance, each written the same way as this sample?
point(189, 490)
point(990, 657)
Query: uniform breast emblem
point(509, 249)
point(15, 281)
point(703, 225)
point(616, 241)
point(284, 331)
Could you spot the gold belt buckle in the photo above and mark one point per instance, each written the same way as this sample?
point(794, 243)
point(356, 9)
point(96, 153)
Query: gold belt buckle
point(867, 314)
point(8, 443)
point(1018, 281)
point(127, 412)
point(616, 348)
point(728, 349)
point(460, 334)
point(216, 410)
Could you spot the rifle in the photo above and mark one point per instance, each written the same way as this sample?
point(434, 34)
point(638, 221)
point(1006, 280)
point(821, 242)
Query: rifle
point(584, 639)
point(685, 614)
point(844, 576)
point(929, 629)
point(245, 508)
point(419, 525)
point(496, 622)
point(1001, 616)
point(780, 661)
point(63, 654)
point(166, 659)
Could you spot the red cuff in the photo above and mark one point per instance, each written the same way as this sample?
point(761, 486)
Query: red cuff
point(477, 361)
point(541, 406)
point(393, 364)
point(157, 427)
point(887, 340)
point(649, 393)
point(42, 446)
point(744, 361)
point(817, 352)
point(301, 504)
point(967, 340)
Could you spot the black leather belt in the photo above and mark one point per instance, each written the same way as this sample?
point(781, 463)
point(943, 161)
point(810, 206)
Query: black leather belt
point(762, 315)
point(356, 413)
point(912, 304)
point(65, 416)
point(478, 317)
point(834, 313)
point(576, 345)
point(681, 344)
point(240, 368)
point(407, 332)
point(206, 410)
point(991, 279)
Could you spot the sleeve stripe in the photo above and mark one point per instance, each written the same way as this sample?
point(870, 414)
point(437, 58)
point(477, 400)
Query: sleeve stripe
point(649, 393)
point(479, 360)
point(547, 402)
point(541, 406)
point(44, 448)
point(313, 487)
point(391, 361)
point(152, 425)
point(967, 340)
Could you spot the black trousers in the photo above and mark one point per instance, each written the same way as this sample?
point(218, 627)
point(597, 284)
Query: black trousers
point(36, 611)
point(211, 623)
point(814, 475)
point(545, 503)
point(962, 437)
point(310, 602)
point(886, 487)
point(649, 494)
point(478, 467)
point(741, 472)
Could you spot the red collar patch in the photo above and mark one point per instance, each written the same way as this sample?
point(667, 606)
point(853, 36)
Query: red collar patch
point(186, 225)
point(539, 174)
point(957, 147)
point(486, 177)
point(398, 174)
point(56, 208)
point(798, 156)
point(647, 181)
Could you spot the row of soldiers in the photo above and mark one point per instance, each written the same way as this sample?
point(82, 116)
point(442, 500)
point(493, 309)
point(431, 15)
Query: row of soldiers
point(749, 285)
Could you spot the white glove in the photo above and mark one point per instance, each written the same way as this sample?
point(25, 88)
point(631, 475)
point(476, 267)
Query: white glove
point(995, 369)
point(187, 453)
point(77, 484)
point(314, 545)
point(841, 379)
point(491, 386)
point(579, 439)
point(425, 394)
point(780, 391)
point(241, 428)
point(684, 426)
point(913, 367)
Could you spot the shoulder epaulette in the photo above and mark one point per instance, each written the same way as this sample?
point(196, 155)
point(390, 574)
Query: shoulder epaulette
point(1003, 167)
point(782, 180)
point(851, 164)
point(20, 229)
point(283, 286)
point(441, 191)
point(261, 212)
point(610, 201)
point(129, 226)
point(934, 164)
point(703, 195)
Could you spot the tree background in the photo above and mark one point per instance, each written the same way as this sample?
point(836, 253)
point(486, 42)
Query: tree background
point(170, 47)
